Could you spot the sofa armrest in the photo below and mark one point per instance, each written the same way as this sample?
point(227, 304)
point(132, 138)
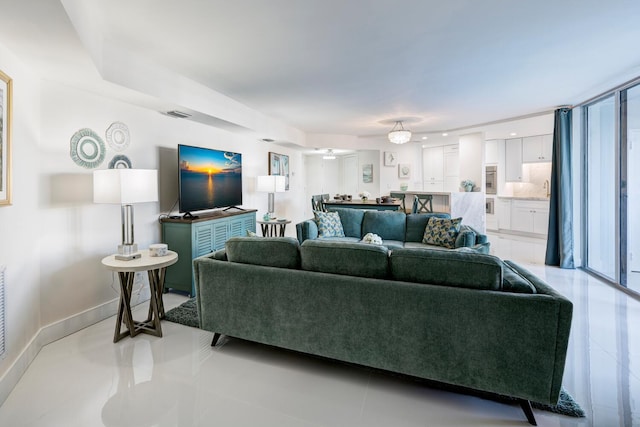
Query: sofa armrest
point(307, 229)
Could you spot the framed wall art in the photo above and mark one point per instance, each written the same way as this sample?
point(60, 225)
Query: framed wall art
point(367, 173)
point(6, 89)
point(279, 165)
point(404, 170)
point(390, 158)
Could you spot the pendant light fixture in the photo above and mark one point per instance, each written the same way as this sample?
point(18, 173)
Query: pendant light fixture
point(399, 135)
point(329, 155)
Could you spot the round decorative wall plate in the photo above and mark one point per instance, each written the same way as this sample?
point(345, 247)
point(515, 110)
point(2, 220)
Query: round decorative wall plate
point(87, 148)
point(120, 161)
point(118, 136)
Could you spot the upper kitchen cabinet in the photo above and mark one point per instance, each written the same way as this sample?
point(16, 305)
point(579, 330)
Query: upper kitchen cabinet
point(491, 151)
point(537, 149)
point(513, 161)
point(440, 168)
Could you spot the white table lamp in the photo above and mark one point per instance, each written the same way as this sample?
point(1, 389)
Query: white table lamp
point(270, 184)
point(125, 187)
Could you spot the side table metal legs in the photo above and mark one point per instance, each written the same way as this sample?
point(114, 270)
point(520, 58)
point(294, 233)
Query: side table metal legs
point(151, 325)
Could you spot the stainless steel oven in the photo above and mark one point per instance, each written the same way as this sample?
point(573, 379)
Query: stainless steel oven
point(489, 206)
point(491, 180)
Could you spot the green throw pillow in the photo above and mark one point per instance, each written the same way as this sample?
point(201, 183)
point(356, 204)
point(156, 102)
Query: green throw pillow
point(329, 224)
point(442, 232)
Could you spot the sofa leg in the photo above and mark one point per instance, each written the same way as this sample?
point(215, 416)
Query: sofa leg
point(528, 411)
point(216, 337)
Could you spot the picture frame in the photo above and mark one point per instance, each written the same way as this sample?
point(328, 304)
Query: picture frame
point(6, 94)
point(367, 173)
point(404, 171)
point(279, 165)
point(390, 158)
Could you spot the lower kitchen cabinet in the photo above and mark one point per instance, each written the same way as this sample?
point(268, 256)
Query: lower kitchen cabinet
point(530, 216)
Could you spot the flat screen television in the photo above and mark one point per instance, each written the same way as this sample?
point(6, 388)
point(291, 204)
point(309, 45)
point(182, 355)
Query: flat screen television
point(208, 178)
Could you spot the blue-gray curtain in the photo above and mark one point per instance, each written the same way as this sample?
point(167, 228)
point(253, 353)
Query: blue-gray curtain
point(560, 236)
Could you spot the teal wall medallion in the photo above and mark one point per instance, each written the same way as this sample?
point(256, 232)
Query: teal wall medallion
point(120, 161)
point(87, 148)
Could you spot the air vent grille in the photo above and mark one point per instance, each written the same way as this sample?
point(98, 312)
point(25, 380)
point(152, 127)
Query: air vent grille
point(178, 114)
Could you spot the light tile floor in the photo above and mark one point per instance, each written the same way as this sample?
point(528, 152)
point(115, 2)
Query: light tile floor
point(179, 380)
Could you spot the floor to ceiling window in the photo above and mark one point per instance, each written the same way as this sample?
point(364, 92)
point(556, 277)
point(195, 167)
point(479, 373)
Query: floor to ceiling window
point(601, 187)
point(612, 186)
point(631, 186)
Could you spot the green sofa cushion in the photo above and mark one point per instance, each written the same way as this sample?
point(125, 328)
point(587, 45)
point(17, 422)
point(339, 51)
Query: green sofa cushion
point(329, 224)
point(466, 237)
point(450, 268)
point(442, 232)
point(416, 223)
point(351, 221)
point(283, 252)
point(353, 259)
point(390, 225)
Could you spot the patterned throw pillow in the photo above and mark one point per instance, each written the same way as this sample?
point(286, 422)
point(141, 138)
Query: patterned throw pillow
point(442, 232)
point(329, 224)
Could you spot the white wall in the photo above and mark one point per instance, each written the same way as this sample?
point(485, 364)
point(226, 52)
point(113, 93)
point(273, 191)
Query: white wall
point(53, 236)
point(472, 158)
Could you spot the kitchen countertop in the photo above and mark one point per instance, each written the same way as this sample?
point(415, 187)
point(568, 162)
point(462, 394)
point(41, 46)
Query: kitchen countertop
point(541, 199)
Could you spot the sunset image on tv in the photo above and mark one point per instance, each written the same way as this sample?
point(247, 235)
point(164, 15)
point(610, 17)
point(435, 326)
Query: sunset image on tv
point(209, 178)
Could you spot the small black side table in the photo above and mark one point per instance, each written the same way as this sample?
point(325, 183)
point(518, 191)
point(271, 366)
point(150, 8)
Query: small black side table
point(274, 227)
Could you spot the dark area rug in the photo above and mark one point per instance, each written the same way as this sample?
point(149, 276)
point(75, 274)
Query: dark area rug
point(187, 314)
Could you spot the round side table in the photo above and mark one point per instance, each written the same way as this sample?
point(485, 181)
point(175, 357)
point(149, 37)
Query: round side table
point(156, 268)
point(273, 228)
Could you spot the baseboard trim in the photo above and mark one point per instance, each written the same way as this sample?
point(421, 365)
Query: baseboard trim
point(53, 332)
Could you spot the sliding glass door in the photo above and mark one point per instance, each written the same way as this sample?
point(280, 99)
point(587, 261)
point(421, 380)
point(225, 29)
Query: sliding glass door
point(630, 271)
point(601, 184)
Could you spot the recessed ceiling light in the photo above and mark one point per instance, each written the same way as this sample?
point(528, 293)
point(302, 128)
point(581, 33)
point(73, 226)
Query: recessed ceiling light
point(445, 134)
point(513, 134)
point(425, 137)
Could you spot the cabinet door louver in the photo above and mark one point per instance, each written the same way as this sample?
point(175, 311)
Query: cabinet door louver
point(220, 235)
point(204, 239)
point(236, 228)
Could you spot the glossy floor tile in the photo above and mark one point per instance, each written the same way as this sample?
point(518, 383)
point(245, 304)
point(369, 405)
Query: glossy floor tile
point(179, 380)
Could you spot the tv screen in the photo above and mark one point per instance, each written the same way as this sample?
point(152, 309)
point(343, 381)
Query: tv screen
point(208, 178)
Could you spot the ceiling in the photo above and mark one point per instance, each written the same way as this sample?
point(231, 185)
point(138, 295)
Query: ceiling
point(344, 67)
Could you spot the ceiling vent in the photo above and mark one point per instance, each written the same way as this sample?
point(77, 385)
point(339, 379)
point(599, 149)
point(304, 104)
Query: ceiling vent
point(178, 114)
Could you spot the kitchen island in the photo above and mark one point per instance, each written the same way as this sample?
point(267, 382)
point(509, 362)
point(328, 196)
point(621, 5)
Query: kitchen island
point(470, 206)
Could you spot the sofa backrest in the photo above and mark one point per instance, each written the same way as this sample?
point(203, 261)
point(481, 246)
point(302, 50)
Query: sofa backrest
point(389, 225)
point(446, 267)
point(352, 259)
point(282, 252)
point(351, 220)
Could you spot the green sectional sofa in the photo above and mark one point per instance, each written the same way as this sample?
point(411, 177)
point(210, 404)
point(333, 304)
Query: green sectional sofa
point(456, 317)
point(397, 229)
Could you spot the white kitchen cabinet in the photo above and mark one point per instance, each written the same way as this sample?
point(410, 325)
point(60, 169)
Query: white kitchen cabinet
point(513, 161)
point(530, 216)
point(491, 155)
point(433, 186)
point(536, 149)
point(441, 168)
point(433, 164)
point(503, 212)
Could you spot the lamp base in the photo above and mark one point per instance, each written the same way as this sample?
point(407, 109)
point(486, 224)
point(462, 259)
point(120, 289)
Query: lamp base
point(127, 248)
point(128, 257)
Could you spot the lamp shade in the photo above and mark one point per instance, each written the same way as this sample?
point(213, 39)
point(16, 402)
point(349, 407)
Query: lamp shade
point(270, 183)
point(125, 186)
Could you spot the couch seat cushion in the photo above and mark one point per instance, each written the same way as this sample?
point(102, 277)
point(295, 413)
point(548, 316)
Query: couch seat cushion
point(393, 244)
point(348, 258)
point(339, 239)
point(442, 232)
point(390, 225)
point(449, 268)
point(329, 224)
point(414, 245)
point(283, 252)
